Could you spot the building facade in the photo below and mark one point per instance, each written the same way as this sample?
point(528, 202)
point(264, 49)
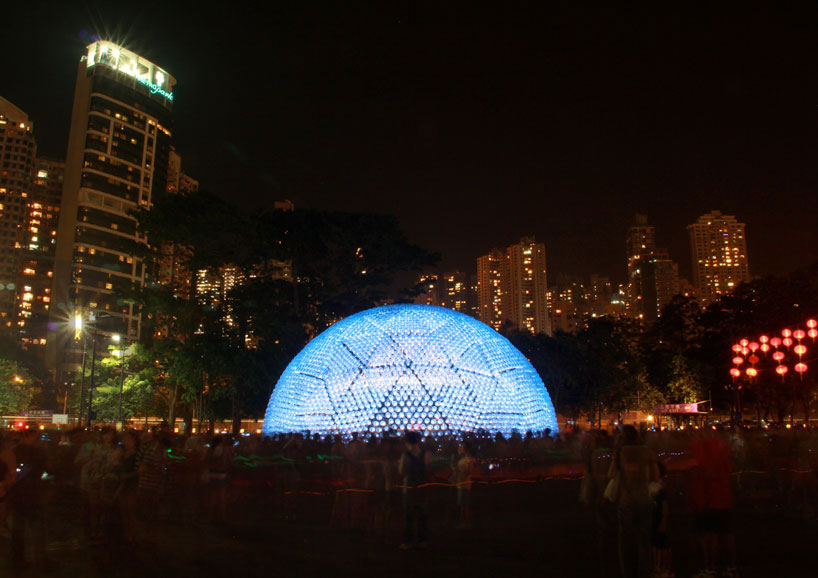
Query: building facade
point(452, 290)
point(512, 287)
point(718, 249)
point(653, 277)
point(35, 275)
point(117, 161)
point(490, 288)
point(17, 156)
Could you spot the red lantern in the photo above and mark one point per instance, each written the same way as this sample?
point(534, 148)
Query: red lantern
point(800, 349)
point(781, 370)
point(812, 323)
point(744, 342)
point(786, 333)
point(775, 341)
point(799, 334)
point(813, 333)
point(752, 359)
point(765, 347)
point(737, 348)
point(778, 355)
point(800, 367)
point(735, 372)
point(745, 350)
point(753, 346)
point(752, 371)
point(786, 342)
point(764, 339)
point(739, 360)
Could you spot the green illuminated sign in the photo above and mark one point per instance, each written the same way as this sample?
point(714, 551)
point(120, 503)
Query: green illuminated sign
point(156, 89)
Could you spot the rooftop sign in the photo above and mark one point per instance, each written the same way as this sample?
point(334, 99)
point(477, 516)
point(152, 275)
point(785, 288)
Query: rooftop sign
point(143, 71)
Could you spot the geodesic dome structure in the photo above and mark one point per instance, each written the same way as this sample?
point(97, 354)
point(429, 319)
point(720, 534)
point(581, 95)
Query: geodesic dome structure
point(400, 367)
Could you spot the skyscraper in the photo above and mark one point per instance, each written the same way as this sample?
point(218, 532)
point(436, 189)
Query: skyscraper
point(17, 152)
point(653, 278)
point(35, 276)
point(527, 286)
point(490, 288)
point(718, 248)
point(452, 290)
point(512, 286)
point(117, 161)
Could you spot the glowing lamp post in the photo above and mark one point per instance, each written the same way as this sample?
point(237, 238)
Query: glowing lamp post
point(121, 353)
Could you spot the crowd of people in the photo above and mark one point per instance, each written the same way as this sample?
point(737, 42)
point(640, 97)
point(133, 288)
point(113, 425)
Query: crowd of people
point(124, 483)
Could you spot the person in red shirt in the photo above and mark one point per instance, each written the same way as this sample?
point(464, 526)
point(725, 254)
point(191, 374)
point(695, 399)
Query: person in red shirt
point(712, 501)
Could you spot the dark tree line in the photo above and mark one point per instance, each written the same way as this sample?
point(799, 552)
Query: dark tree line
point(613, 364)
point(300, 271)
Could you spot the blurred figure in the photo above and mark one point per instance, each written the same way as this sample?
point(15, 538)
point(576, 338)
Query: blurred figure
point(151, 475)
point(126, 493)
point(413, 468)
point(218, 462)
point(7, 477)
point(636, 467)
point(26, 501)
point(662, 554)
point(463, 470)
point(712, 502)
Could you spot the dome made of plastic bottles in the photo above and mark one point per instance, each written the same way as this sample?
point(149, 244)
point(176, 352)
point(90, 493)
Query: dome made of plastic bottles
point(402, 367)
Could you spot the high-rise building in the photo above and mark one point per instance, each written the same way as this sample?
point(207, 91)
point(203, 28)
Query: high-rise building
point(512, 286)
point(490, 288)
point(117, 161)
point(527, 286)
point(17, 154)
point(653, 278)
point(718, 248)
point(659, 284)
point(35, 276)
point(451, 290)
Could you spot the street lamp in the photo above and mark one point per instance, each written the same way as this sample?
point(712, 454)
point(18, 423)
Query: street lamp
point(116, 337)
point(77, 334)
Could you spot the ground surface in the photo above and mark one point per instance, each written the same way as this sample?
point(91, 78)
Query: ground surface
point(520, 529)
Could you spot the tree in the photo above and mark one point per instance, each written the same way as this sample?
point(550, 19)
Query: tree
point(16, 387)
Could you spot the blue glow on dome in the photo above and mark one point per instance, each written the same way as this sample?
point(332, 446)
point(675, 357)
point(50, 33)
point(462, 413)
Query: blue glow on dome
point(400, 367)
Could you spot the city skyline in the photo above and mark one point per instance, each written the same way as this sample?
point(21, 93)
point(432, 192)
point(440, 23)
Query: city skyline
point(413, 122)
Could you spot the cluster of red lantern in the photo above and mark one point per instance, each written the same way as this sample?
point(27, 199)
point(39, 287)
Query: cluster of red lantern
point(745, 351)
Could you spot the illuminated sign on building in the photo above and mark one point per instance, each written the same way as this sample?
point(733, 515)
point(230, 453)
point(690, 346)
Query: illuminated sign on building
point(143, 71)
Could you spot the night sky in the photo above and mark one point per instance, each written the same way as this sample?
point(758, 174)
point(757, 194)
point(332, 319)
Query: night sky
point(473, 127)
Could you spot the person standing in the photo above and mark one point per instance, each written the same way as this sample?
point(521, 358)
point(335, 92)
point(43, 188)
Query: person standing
point(413, 468)
point(636, 466)
point(26, 500)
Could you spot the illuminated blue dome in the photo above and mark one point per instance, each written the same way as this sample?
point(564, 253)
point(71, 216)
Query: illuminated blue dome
point(402, 367)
